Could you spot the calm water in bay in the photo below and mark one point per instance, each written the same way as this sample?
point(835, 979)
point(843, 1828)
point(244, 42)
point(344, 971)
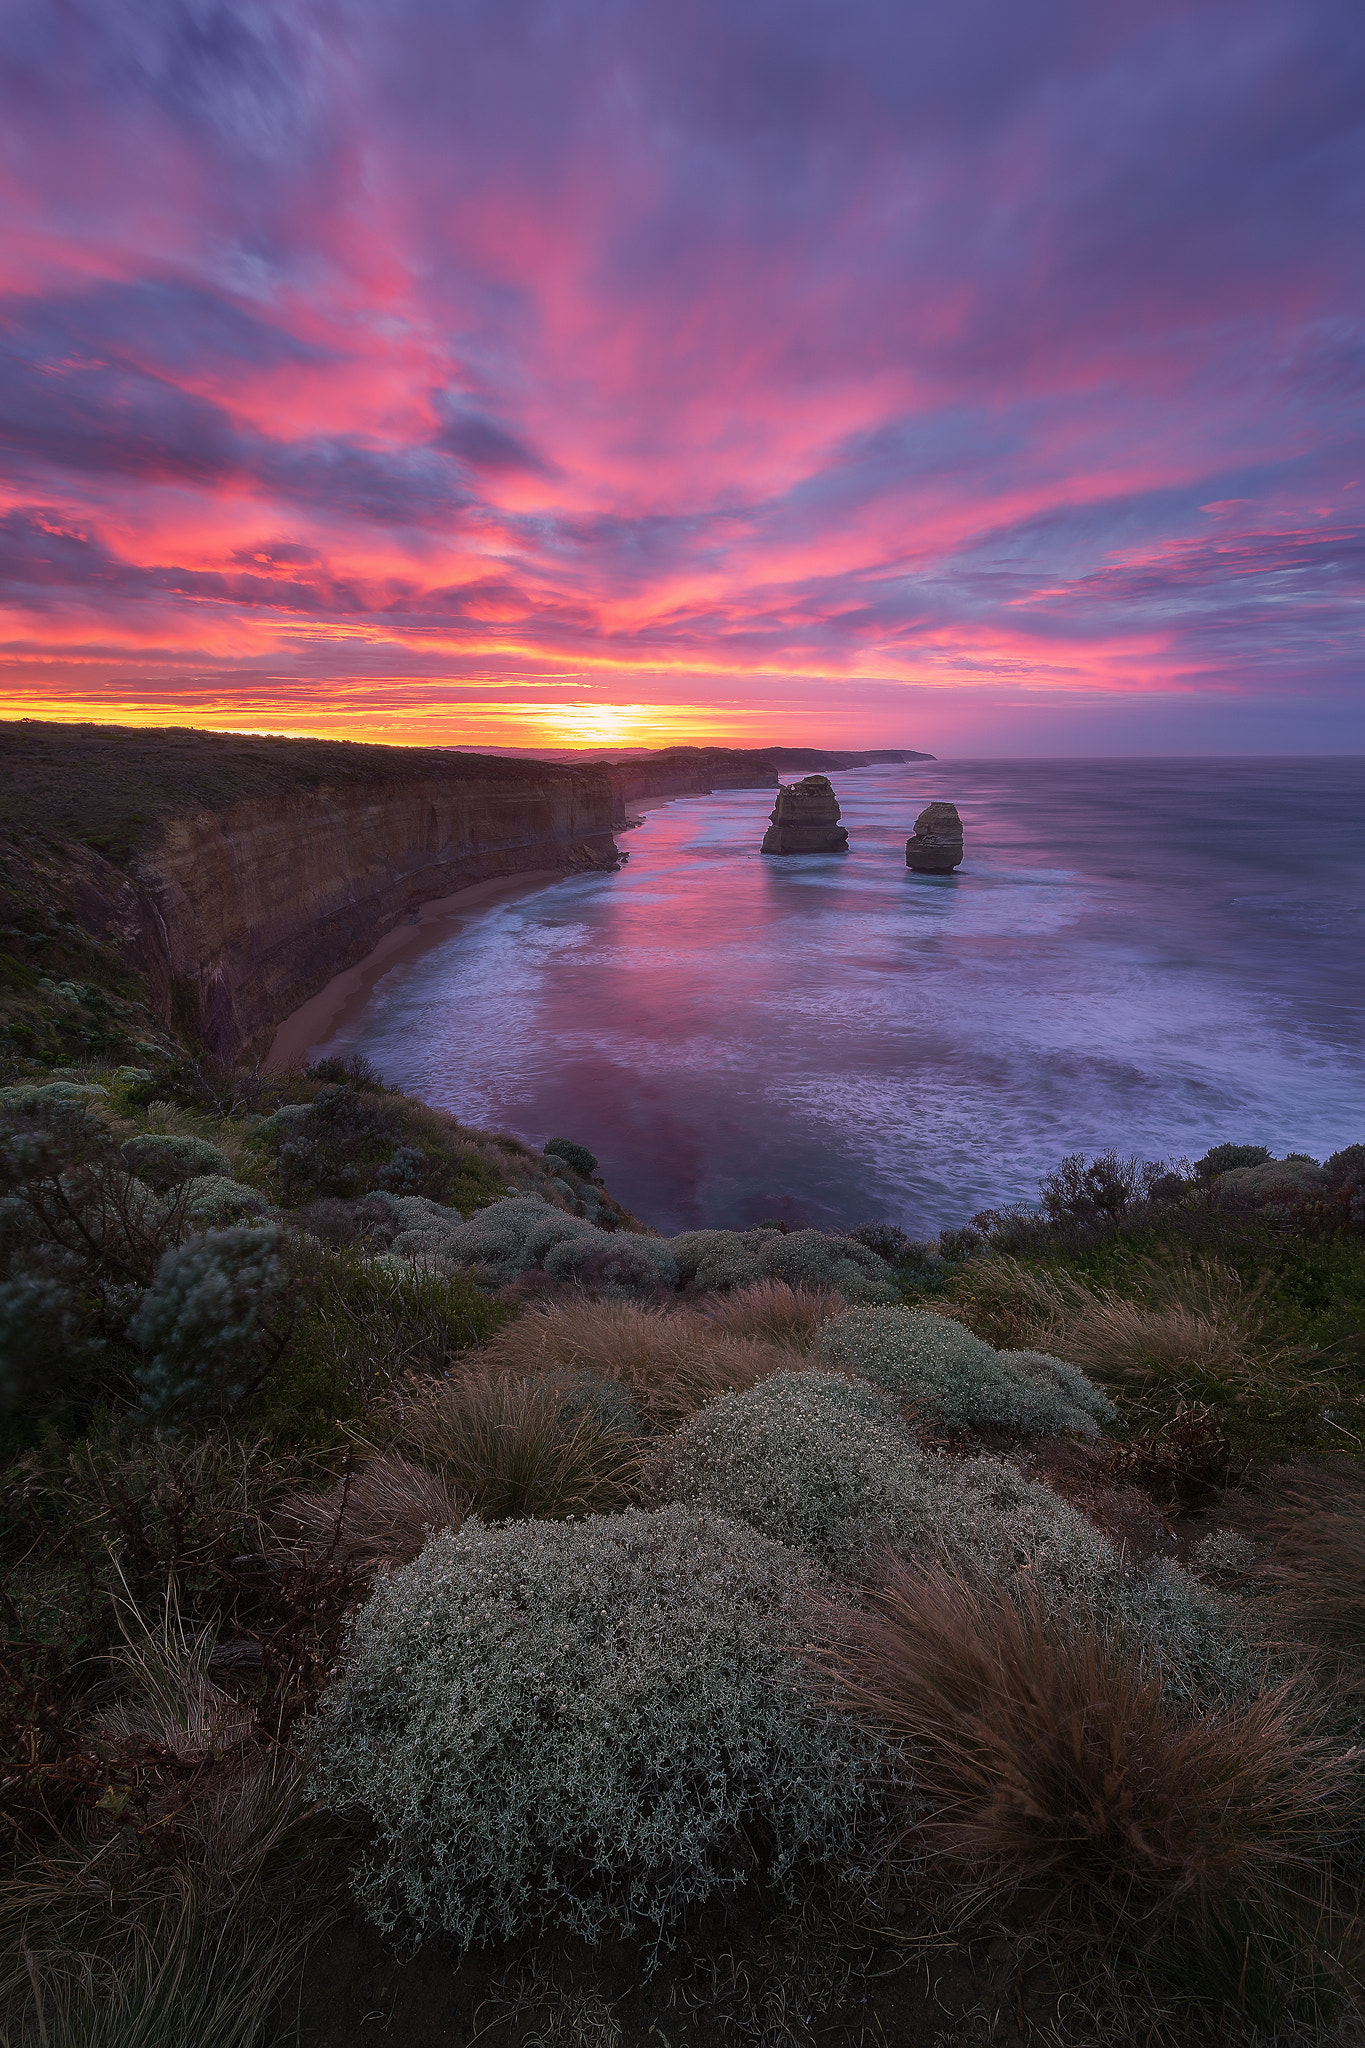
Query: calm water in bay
point(1154, 955)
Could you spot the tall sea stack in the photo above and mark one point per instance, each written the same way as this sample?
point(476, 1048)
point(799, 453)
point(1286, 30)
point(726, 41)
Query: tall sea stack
point(935, 847)
point(805, 819)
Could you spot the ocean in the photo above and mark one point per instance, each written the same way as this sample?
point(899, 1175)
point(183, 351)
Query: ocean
point(1151, 955)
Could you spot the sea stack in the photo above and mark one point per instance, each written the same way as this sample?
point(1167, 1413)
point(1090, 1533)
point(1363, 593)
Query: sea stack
point(806, 819)
point(936, 845)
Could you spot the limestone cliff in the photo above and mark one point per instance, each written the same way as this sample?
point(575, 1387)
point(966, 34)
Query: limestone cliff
point(252, 871)
point(697, 771)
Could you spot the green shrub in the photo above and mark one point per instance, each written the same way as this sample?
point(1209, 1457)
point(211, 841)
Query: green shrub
point(49, 1340)
point(164, 1161)
point(576, 1156)
point(207, 1321)
point(1345, 1168)
point(355, 1140)
point(585, 1725)
point(1226, 1158)
point(958, 1379)
point(360, 1326)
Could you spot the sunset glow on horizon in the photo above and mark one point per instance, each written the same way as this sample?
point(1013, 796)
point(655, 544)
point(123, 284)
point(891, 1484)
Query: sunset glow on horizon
point(613, 374)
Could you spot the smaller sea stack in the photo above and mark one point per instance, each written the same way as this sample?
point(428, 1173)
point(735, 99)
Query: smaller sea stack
point(806, 819)
point(935, 847)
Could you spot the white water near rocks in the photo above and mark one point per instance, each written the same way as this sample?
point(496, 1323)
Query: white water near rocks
point(1153, 955)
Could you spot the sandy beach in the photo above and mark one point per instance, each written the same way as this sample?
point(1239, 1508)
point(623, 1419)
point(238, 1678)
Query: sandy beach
point(347, 993)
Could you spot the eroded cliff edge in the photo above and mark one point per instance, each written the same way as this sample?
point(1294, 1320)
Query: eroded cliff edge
point(236, 876)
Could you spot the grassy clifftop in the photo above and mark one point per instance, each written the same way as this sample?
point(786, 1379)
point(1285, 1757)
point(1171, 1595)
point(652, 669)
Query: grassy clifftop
point(108, 787)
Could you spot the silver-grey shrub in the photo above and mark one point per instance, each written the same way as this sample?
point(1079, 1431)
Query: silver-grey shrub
point(960, 1380)
point(163, 1160)
point(824, 1465)
point(716, 1261)
point(811, 1459)
point(206, 1318)
point(585, 1725)
point(521, 1233)
point(215, 1198)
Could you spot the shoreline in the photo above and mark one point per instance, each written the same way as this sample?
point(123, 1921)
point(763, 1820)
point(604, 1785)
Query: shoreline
point(306, 1029)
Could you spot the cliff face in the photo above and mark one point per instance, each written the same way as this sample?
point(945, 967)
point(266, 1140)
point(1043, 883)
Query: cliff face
point(237, 875)
point(696, 771)
point(257, 906)
point(686, 771)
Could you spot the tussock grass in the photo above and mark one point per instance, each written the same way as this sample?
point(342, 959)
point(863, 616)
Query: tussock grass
point(380, 1515)
point(165, 1915)
point(1050, 1764)
point(1316, 1569)
point(1191, 1318)
point(671, 1360)
point(774, 1311)
point(177, 1980)
point(506, 1447)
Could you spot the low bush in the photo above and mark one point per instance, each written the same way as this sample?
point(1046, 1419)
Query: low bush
point(164, 1161)
point(957, 1379)
point(211, 1198)
point(670, 1360)
point(1227, 1158)
point(587, 1725)
point(353, 1140)
point(526, 1233)
point(823, 1464)
point(509, 1447)
point(1051, 1762)
point(813, 1460)
point(362, 1326)
point(719, 1261)
point(122, 1514)
point(1083, 1190)
point(211, 1322)
point(576, 1157)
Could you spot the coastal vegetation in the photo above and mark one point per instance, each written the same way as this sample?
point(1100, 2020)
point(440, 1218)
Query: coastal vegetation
point(414, 1567)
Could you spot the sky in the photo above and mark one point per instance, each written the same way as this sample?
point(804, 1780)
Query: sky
point(982, 378)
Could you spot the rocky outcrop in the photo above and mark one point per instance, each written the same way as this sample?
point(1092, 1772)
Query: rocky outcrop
point(260, 869)
point(935, 847)
point(805, 819)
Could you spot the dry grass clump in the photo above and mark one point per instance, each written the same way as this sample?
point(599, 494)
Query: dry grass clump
point(1191, 1318)
point(1049, 1762)
point(774, 1311)
point(670, 1360)
point(166, 1914)
point(380, 1515)
point(1316, 1570)
point(510, 1446)
point(176, 1978)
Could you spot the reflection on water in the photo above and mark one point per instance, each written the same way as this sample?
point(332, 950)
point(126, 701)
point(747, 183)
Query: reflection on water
point(1152, 955)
